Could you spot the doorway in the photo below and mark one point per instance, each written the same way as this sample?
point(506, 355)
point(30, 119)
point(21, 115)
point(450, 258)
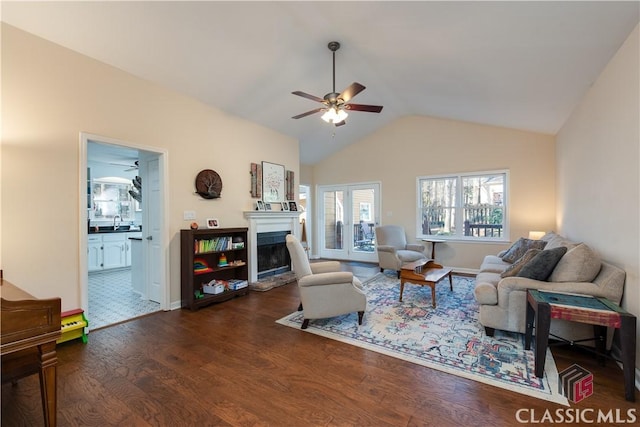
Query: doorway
point(348, 215)
point(123, 232)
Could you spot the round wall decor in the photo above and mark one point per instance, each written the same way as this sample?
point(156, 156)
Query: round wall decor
point(208, 184)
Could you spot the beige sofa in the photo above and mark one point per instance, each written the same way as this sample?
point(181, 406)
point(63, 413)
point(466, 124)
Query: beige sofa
point(503, 300)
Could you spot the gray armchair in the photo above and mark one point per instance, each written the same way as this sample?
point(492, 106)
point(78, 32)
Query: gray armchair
point(325, 291)
point(393, 249)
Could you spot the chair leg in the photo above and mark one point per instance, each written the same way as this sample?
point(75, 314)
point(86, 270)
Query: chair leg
point(360, 316)
point(489, 331)
point(300, 307)
point(305, 323)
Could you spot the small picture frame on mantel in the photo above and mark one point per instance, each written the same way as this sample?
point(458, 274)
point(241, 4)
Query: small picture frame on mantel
point(259, 205)
point(285, 206)
point(293, 207)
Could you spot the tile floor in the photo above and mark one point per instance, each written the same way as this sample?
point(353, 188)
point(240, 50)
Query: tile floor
point(112, 299)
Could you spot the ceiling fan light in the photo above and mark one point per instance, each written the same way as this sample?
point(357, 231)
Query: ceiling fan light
point(334, 115)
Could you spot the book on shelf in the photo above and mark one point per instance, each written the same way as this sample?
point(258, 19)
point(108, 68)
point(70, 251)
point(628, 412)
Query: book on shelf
point(215, 244)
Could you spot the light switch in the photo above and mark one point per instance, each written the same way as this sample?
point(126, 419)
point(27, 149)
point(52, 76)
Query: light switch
point(188, 215)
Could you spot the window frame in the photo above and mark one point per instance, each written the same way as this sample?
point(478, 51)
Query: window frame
point(459, 206)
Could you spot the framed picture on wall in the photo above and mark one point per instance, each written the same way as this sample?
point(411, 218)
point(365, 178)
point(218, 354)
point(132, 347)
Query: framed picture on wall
point(213, 223)
point(273, 187)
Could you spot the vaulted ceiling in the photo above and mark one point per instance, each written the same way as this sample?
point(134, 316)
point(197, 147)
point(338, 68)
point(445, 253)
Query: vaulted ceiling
point(521, 65)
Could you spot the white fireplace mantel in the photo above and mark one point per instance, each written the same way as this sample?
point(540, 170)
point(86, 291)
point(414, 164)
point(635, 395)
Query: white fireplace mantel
point(265, 222)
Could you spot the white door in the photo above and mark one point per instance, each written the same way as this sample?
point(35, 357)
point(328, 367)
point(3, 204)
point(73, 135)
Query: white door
point(152, 236)
point(348, 215)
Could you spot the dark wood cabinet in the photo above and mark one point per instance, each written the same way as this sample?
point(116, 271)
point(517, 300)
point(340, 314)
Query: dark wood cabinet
point(214, 265)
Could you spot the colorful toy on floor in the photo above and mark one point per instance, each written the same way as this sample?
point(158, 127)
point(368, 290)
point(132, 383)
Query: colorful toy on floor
point(73, 324)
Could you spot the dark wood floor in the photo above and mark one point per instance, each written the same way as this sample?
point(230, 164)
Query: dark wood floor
point(231, 364)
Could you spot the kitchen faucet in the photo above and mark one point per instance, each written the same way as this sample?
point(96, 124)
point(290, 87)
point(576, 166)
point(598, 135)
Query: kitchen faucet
point(116, 217)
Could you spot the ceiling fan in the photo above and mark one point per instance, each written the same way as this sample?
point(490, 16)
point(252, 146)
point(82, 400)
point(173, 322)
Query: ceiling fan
point(130, 167)
point(336, 104)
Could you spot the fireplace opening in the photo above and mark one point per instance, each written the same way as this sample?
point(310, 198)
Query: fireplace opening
point(273, 256)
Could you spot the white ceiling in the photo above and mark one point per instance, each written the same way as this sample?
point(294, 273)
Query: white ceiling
point(521, 65)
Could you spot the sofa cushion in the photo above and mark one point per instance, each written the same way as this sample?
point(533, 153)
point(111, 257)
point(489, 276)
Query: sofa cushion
point(520, 247)
point(493, 263)
point(541, 266)
point(515, 268)
point(579, 264)
point(555, 241)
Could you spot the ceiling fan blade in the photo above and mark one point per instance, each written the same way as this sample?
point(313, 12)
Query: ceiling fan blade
point(306, 95)
point(351, 91)
point(308, 113)
point(340, 123)
point(361, 107)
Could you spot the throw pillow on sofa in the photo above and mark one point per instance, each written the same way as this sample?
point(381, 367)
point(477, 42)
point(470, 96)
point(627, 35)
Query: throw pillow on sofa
point(520, 247)
point(579, 264)
point(541, 266)
point(515, 268)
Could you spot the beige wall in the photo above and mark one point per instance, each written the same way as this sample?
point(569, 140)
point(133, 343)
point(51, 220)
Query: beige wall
point(418, 146)
point(598, 169)
point(49, 95)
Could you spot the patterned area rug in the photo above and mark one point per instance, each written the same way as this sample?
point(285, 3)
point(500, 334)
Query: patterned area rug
point(447, 338)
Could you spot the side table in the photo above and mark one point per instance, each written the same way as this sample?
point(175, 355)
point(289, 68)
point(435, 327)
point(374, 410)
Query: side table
point(433, 242)
point(600, 312)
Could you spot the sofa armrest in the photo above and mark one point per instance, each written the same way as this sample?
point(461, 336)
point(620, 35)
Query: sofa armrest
point(509, 284)
point(335, 278)
point(386, 248)
point(324, 267)
point(415, 247)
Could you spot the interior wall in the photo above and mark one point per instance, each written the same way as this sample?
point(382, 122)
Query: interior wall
point(420, 146)
point(598, 169)
point(50, 94)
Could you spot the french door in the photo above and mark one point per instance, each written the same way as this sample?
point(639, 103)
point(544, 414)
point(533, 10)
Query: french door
point(347, 216)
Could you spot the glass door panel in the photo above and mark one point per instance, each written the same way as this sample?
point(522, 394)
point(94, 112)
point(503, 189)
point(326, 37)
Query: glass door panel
point(333, 221)
point(349, 214)
point(364, 221)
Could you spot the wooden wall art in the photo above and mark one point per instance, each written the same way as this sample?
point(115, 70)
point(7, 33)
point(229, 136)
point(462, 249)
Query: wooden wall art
point(208, 184)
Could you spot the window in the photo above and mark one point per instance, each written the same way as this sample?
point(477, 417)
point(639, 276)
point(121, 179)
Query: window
point(463, 206)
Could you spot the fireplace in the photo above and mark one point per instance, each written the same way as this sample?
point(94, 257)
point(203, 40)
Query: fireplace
point(264, 222)
point(273, 256)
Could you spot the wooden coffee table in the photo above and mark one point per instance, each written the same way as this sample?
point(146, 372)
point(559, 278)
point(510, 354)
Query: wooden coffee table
point(424, 273)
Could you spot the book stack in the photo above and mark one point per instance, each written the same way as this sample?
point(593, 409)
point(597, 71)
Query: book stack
point(213, 245)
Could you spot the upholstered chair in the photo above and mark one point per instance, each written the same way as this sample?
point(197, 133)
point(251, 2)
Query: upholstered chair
point(325, 291)
point(393, 249)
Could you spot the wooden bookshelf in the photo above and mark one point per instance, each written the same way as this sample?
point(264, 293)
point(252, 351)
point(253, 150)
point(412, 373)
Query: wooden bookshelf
point(202, 253)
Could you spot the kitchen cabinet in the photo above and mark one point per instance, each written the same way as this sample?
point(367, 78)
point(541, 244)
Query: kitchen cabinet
point(94, 253)
point(137, 270)
point(113, 250)
point(129, 246)
point(109, 250)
